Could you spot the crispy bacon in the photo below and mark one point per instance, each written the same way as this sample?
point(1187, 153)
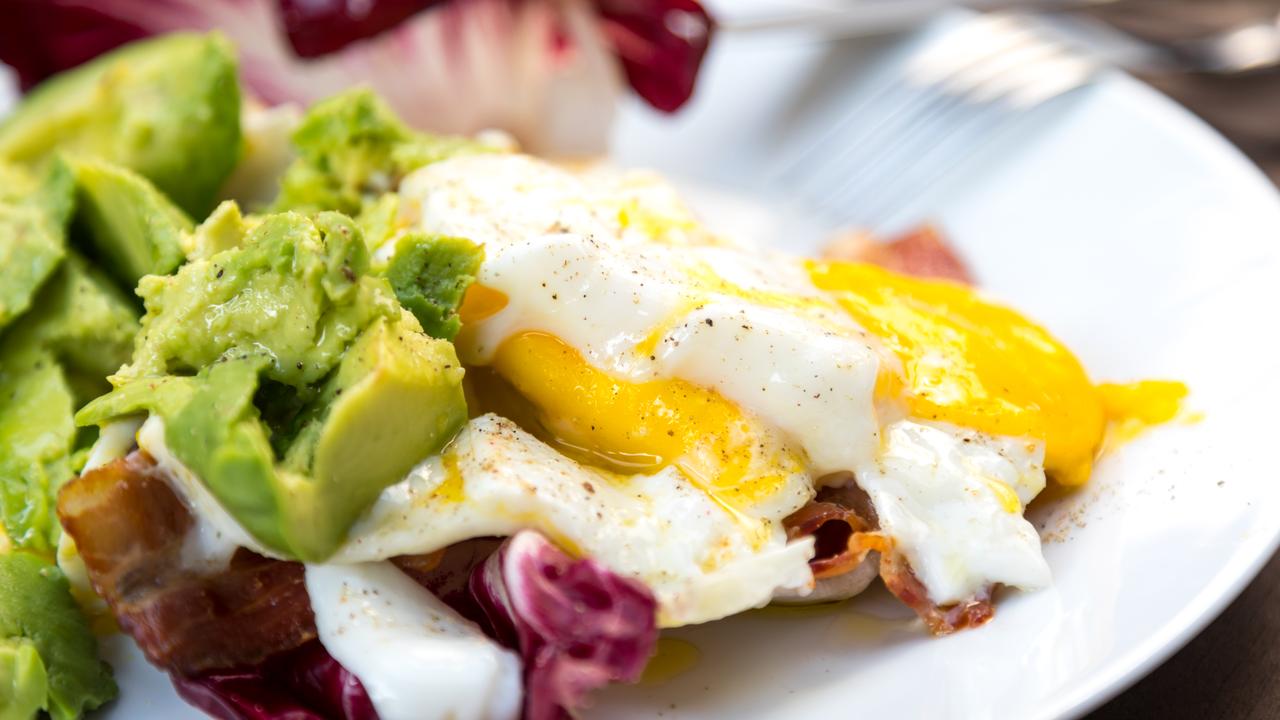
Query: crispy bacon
point(833, 528)
point(129, 527)
point(846, 531)
point(940, 619)
point(921, 252)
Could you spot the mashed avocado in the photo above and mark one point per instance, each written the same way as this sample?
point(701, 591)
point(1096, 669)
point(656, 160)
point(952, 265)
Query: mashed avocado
point(284, 368)
point(352, 149)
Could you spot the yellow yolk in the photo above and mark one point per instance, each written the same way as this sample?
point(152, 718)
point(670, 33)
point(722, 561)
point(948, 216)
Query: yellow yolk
point(450, 489)
point(975, 364)
point(641, 427)
point(481, 302)
point(1135, 407)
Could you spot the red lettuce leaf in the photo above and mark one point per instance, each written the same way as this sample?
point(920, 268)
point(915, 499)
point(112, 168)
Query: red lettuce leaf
point(577, 625)
point(660, 44)
point(320, 27)
point(39, 38)
point(302, 684)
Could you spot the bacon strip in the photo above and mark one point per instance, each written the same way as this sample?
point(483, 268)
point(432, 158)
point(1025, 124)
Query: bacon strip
point(833, 528)
point(130, 527)
point(846, 531)
point(921, 252)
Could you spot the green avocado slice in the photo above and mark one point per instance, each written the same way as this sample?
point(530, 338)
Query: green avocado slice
point(430, 275)
point(36, 438)
point(135, 230)
point(284, 369)
point(167, 108)
point(38, 613)
point(33, 218)
point(24, 682)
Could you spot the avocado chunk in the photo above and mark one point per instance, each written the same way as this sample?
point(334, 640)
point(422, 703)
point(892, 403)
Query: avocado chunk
point(37, 435)
point(33, 218)
point(167, 108)
point(224, 229)
point(430, 274)
point(135, 230)
point(352, 148)
point(395, 400)
point(38, 614)
point(285, 369)
point(297, 291)
point(24, 683)
point(84, 320)
point(53, 358)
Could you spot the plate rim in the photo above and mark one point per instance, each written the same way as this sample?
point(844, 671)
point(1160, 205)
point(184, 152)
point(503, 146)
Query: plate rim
point(1246, 563)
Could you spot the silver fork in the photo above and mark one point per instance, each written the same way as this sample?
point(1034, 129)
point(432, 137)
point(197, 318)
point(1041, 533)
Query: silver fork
point(962, 83)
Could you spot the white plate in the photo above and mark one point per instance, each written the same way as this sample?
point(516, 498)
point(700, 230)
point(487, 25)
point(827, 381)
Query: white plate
point(1143, 240)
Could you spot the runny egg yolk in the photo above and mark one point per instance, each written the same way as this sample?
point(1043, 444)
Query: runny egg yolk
point(975, 364)
point(640, 427)
point(1135, 407)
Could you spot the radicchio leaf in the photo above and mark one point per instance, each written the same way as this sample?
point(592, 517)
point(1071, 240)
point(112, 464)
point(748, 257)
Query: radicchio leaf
point(541, 69)
point(577, 625)
point(303, 684)
point(41, 37)
point(661, 44)
point(320, 27)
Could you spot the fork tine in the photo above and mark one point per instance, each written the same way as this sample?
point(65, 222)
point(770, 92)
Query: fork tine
point(918, 119)
point(889, 99)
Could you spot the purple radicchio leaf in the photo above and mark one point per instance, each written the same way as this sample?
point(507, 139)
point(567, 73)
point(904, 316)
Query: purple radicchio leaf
point(39, 38)
point(320, 27)
point(577, 625)
point(549, 71)
point(661, 44)
point(305, 683)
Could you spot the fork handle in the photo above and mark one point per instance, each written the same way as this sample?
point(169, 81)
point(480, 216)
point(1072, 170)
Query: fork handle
point(866, 19)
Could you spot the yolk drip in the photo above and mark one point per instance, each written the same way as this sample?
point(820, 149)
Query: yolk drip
point(450, 489)
point(1136, 407)
point(641, 427)
point(481, 302)
point(671, 658)
point(975, 364)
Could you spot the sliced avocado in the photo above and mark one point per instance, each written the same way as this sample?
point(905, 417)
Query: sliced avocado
point(36, 437)
point(84, 320)
point(352, 440)
point(36, 609)
point(33, 217)
point(284, 369)
point(24, 682)
point(135, 230)
point(224, 229)
point(167, 108)
point(430, 274)
point(395, 400)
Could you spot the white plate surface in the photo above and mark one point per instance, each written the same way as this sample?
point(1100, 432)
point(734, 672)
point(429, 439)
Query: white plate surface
point(1137, 235)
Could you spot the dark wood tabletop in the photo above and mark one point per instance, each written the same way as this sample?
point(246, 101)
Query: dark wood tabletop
point(1232, 669)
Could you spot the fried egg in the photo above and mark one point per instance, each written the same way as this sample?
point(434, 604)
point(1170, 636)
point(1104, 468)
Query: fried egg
point(707, 390)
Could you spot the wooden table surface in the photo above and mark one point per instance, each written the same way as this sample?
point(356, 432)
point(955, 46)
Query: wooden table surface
point(1232, 669)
